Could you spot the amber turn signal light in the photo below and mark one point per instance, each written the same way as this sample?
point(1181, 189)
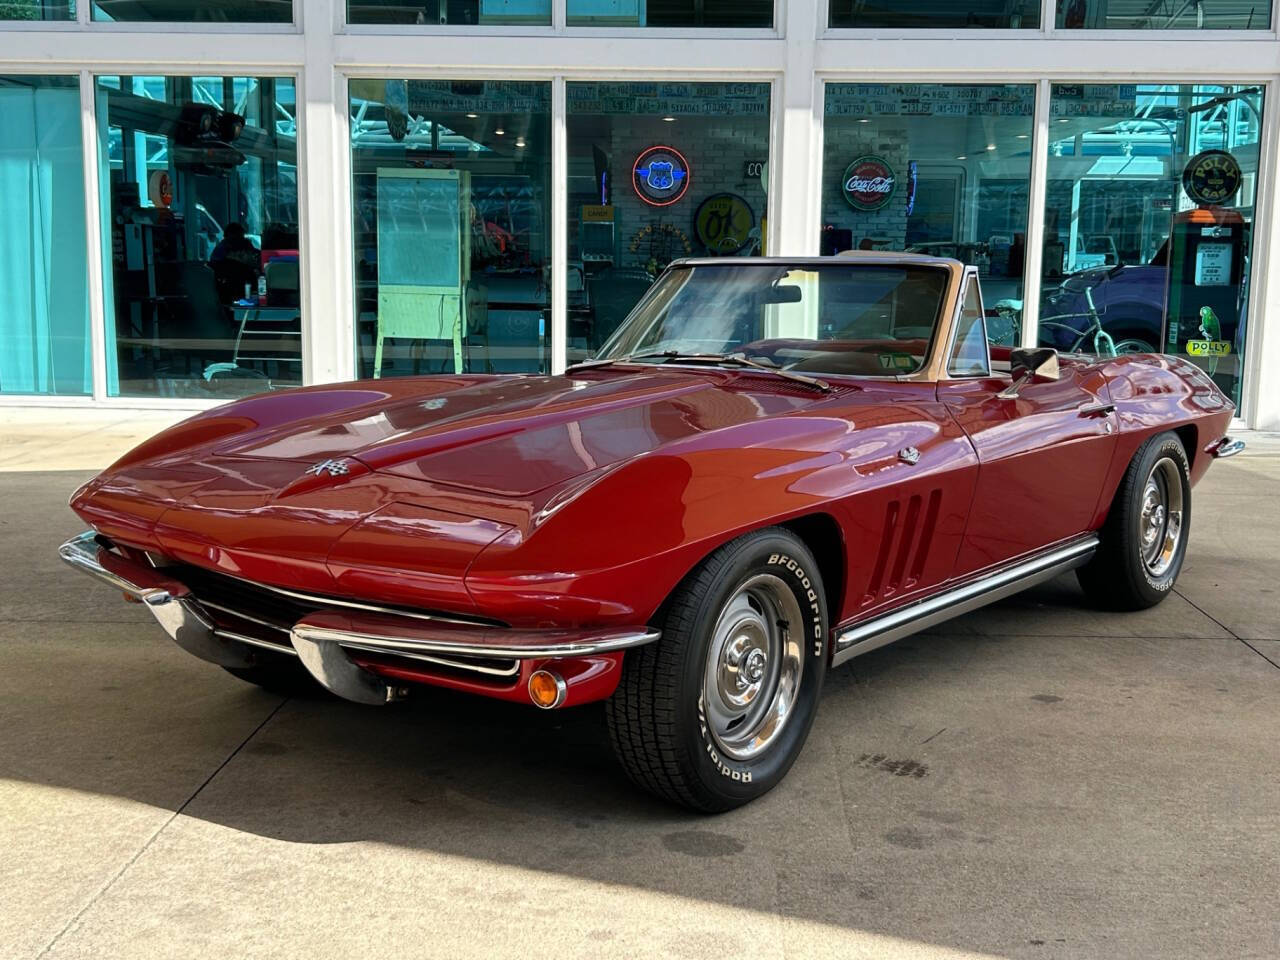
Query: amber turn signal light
point(546, 689)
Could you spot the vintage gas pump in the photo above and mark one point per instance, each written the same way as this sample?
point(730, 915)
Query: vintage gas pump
point(1206, 268)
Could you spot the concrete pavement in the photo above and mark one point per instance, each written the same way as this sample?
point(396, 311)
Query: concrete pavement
point(1033, 780)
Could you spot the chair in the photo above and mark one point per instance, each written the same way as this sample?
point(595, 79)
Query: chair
point(282, 283)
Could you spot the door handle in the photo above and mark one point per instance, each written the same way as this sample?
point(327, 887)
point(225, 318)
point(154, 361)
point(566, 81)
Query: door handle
point(1096, 409)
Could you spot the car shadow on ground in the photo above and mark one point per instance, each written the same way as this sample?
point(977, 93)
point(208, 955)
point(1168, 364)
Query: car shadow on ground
point(959, 768)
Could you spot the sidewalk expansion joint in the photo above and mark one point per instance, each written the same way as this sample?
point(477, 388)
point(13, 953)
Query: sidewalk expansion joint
point(159, 830)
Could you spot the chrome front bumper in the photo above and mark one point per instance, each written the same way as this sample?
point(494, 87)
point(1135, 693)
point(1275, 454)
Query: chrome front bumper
point(321, 639)
point(1224, 447)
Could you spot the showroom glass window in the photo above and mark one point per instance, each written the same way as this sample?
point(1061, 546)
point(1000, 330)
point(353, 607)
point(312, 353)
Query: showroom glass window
point(451, 12)
point(1145, 15)
point(193, 11)
point(657, 171)
point(1149, 221)
point(200, 233)
point(37, 10)
point(937, 169)
point(45, 323)
point(935, 14)
point(451, 191)
point(670, 13)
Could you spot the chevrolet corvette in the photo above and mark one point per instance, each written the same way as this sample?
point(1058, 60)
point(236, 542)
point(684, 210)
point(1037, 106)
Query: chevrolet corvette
point(773, 466)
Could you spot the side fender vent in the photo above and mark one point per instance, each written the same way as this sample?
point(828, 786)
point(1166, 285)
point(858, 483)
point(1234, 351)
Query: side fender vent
point(906, 537)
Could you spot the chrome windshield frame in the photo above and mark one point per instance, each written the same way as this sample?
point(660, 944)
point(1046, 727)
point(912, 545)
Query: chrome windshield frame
point(934, 365)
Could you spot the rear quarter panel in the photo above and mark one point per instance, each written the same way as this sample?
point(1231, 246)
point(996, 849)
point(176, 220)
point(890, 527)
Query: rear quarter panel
point(1154, 393)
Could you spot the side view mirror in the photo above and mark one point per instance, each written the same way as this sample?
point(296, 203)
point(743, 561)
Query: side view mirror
point(1038, 362)
point(1028, 364)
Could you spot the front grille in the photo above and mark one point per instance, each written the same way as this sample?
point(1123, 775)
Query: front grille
point(263, 616)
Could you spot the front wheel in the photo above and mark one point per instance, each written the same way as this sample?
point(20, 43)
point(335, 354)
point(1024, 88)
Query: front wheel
point(714, 714)
point(1145, 537)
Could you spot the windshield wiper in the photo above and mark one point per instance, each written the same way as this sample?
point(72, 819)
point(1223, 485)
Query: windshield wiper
point(730, 359)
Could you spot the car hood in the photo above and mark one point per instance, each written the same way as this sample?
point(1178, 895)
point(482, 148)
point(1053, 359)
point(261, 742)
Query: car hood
point(510, 436)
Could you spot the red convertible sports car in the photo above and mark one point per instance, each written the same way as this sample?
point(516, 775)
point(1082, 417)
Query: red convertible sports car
point(773, 466)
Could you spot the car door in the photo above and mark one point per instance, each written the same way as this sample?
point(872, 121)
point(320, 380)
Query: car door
point(1043, 453)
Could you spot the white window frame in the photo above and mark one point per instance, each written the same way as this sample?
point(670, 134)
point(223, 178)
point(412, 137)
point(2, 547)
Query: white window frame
point(797, 56)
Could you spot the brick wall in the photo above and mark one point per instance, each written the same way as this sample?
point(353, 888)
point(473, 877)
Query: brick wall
point(845, 141)
point(716, 150)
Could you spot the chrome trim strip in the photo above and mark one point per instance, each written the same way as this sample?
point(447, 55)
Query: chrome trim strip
point(323, 639)
point(240, 615)
point(968, 596)
point(357, 605)
point(255, 642)
point(512, 671)
point(1225, 447)
point(498, 643)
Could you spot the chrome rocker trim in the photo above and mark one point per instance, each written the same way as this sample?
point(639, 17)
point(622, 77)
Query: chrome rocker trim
point(321, 640)
point(870, 634)
point(1224, 447)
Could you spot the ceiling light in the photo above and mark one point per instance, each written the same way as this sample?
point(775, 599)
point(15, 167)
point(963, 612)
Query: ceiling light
point(519, 141)
point(1063, 120)
point(500, 132)
point(991, 146)
point(1023, 136)
point(668, 119)
point(962, 158)
point(863, 120)
point(472, 116)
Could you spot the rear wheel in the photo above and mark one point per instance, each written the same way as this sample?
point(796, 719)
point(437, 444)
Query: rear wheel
point(1145, 537)
point(714, 714)
point(1133, 345)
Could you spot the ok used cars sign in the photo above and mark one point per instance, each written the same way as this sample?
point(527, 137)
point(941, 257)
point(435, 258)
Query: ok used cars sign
point(869, 183)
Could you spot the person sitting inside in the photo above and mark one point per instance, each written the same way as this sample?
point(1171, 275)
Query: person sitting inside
point(236, 263)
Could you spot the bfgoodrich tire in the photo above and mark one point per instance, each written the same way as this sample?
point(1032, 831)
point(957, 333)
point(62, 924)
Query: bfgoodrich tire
point(1145, 537)
point(713, 714)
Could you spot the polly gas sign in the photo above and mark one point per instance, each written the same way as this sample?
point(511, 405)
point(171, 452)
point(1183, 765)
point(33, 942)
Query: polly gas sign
point(869, 183)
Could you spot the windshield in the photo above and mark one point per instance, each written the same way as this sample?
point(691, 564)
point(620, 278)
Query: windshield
point(856, 319)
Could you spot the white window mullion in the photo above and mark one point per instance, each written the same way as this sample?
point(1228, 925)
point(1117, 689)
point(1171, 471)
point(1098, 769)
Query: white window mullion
point(1260, 395)
point(1034, 257)
point(795, 168)
point(324, 158)
point(93, 233)
point(559, 227)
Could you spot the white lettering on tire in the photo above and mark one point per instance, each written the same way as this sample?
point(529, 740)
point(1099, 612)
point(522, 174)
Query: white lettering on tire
point(733, 773)
point(811, 596)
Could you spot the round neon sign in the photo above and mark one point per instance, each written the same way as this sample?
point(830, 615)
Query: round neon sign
point(660, 176)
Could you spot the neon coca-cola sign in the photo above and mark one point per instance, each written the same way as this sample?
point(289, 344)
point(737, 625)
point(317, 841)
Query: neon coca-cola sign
point(869, 183)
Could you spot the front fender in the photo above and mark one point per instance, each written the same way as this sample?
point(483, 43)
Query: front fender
point(612, 549)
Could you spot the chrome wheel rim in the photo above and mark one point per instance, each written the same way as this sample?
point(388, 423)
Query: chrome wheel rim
point(1160, 523)
point(753, 668)
point(1133, 346)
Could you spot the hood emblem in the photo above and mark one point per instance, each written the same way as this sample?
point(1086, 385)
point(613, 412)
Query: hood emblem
point(335, 468)
point(909, 455)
